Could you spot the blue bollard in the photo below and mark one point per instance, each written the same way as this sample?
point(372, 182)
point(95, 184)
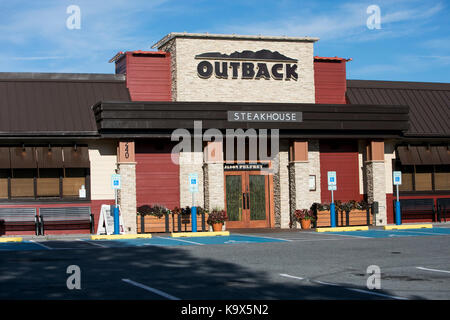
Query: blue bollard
point(333, 215)
point(194, 219)
point(398, 216)
point(116, 220)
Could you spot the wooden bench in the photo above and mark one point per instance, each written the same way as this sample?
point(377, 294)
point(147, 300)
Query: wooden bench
point(65, 218)
point(443, 207)
point(15, 219)
point(417, 209)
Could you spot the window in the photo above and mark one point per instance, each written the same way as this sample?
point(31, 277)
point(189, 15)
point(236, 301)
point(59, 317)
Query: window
point(407, 178)
point(442, 178)
point(22, 183)
point(74, 179)
point(42, 172)
point(48, 183)
point(4, 175)
point(424, 178)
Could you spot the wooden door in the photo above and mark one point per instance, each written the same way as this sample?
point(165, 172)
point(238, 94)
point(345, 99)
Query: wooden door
point(247, 199)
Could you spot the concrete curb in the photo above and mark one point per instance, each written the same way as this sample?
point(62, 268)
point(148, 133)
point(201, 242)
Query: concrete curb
point(199, 234)
point(121, 236)
point(11, 239)
point(409, 226)
point(339, 229)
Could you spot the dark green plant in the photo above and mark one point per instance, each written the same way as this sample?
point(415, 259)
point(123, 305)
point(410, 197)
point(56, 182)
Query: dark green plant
point(217, 216)
point(156, 210)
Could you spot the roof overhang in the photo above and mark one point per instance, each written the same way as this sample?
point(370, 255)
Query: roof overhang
point(147, 119)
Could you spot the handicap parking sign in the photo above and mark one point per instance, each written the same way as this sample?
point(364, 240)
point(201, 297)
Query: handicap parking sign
point(397, 177)
point(332, 178)
point(115, 181)
point(193, 182)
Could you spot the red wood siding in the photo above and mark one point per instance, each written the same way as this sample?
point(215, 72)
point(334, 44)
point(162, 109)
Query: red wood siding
point(149, 77)
point(341, 157)
point(330, 81)
point(157, 177)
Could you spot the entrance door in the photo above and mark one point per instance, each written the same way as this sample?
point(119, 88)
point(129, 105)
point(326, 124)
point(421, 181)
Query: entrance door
point(247, 199)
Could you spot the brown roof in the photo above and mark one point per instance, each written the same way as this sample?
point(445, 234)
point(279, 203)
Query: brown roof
point(429, 103)
point(55, 104)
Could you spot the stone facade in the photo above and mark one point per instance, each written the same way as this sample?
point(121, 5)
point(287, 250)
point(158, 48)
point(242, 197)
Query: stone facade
point(281, 187)
point(214, 185)
point(376, 188)
point(191, 162)
point(188, 86)
point(127, 196)
point(299, 171)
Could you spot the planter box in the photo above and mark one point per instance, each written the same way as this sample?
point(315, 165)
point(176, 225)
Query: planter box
point(187, 227)
point(353, 218)
point(154, 224)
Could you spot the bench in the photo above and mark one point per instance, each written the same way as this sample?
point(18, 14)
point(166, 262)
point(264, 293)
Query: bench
point(443, 207)
point(64, 218)
point(417, 209)
point(15, 219)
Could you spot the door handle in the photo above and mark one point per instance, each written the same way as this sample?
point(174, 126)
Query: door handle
point(248, 204)
point(243, 200)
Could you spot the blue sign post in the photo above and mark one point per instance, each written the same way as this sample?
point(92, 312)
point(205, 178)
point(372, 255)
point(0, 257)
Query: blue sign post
point(397, 178)
point(116, 185)
point(332, 186)
point(193, 188)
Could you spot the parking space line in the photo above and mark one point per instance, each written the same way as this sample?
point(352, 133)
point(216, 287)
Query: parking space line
point(347, 288)
point(289, 276)
point(434, 270)
point(158, 292)
point(42, 245)
point(342, 235)
point(253, 236)
point(173, 239)
point(96, 244)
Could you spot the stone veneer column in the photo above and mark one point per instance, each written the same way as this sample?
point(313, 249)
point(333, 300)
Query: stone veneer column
point(191, 162)
point(214, 176)
point(376, 179)
point(126, 166)
point(127, 196)
point(305, 161)
point(281, 187)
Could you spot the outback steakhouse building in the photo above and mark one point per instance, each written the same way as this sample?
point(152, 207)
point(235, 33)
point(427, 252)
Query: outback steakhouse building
point(62, 132)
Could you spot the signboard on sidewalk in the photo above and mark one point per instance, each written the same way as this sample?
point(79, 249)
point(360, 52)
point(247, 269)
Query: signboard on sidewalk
point(106, 220)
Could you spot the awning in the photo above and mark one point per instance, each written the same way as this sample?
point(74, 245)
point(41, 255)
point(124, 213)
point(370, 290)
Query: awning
point(5, 161)
point(76, 157)
point(424, 155)
point(49, 157)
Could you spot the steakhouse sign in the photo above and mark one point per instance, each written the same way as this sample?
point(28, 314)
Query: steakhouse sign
point(263, 64)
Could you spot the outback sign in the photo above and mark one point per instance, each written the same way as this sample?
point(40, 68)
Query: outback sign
point(263, 64)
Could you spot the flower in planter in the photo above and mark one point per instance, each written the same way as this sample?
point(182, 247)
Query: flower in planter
point(155, 210)
point(362, 205)
point(217, 216)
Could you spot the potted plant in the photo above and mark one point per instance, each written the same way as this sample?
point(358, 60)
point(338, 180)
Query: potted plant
point(305, 217)
point(217, 218)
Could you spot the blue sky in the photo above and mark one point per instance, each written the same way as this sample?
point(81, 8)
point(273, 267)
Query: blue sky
point(413, 43)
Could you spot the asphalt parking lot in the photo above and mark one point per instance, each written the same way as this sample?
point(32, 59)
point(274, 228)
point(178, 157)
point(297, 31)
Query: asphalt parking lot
point(281, 265)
